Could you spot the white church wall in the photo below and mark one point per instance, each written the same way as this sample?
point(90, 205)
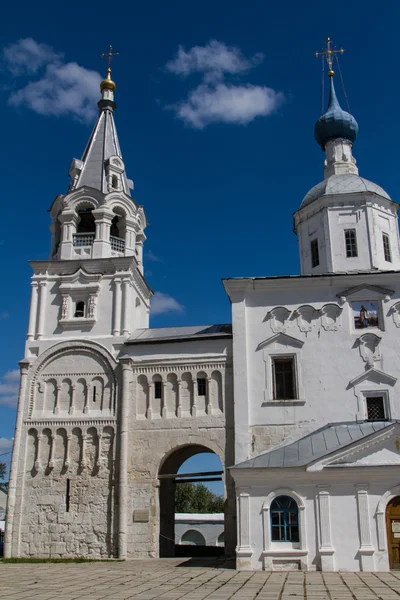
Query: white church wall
point(317, 328)
point(332, 537)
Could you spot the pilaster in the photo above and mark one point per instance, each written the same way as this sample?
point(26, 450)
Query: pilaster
point(366, 549)
point(244, 551)
point(326, 549)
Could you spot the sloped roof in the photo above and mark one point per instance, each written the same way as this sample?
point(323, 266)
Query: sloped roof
point(349, 183)
point(102, 144)
point(170, 334)
point(315, 445)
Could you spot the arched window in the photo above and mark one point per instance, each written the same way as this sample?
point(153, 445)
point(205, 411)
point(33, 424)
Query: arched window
point(284, 520)
point(114, 182)
point(86, 222)
point(79, 309)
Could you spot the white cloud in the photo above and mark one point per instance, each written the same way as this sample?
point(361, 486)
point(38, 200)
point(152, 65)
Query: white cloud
point(5, 444)
point(224, 103)
point(163, 303)
point(217, 100)
point(215, 56)
point(64, 89)
point(27, 56)
point(9, 385)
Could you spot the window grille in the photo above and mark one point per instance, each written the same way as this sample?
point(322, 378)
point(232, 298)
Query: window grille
point(314, 253)
point(201, 386)
point(83, 239)
point(284, 378)
point(376, 409)
point(351, 243)
point(117, 244)
point(386, 247)
point(284, 520)
point(157, 390)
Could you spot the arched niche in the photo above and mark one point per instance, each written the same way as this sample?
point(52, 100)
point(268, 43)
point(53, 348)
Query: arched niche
point(142, 396)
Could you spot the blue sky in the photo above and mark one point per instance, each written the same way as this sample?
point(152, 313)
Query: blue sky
point(217, 136)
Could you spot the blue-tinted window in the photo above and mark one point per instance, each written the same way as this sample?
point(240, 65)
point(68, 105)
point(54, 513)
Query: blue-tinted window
point(284, 520)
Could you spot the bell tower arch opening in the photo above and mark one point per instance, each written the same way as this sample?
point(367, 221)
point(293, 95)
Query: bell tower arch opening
point(176, 472)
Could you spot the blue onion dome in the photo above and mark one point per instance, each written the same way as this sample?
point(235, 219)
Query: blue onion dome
point(335, 123)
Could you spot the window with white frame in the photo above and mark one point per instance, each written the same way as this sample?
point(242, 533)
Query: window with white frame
point(376, 408)
point(284, 520)
point(351, 243)
point(386, 247)
point(79, 312)
point(284, 377)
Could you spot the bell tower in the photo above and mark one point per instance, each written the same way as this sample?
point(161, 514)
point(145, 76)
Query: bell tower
point(93, 284)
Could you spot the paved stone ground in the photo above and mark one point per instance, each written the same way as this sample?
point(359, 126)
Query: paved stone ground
point(173, 579)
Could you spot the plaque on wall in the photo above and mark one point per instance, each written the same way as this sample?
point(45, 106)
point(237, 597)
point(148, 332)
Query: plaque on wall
point(142, 515)
point(396, 526)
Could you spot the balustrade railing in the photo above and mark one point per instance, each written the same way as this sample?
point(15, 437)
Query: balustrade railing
point(117, 244)
point(83, 239)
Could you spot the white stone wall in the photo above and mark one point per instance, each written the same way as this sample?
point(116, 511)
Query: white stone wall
point(340, 525)
point(334, 367)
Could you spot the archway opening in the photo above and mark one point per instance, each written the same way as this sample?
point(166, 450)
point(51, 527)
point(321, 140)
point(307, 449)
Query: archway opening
point(393, 532)
point(191, 503)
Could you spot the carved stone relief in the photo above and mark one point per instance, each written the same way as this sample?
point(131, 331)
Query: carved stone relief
point(330, 316)
point(395, 312)
point(369, 348)
point(306, 315)
point(278, 318)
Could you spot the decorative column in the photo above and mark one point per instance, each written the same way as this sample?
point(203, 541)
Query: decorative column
point(123, 459)
point(52, 449)
point(139, 250)
point(208, 397)
point(194, 404)
point(57, 400)
point(366, 549)
point(325, 549)
point(164, 399)
point(244, 550)
point(37, 464)
point(83, 451)
point(67, 450)
point(150, 398)
point(69, 221)
point(87, 392)
point(131, 228)
point(179, 399)
point(33, 311)
point(42, 307)
point(126, 306)
point(117, 307)
point(72, 399)
point(13, 483)
point(99, 459)
point(102, 244)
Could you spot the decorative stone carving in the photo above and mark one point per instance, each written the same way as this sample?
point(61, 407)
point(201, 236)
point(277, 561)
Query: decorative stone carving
point(64, 308)
point(306, 316)
point(330, 316)
point(91, 307)
point(369, 348)
point(278, 318)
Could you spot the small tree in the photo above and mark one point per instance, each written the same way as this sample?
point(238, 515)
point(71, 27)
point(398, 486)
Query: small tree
point(190, 498)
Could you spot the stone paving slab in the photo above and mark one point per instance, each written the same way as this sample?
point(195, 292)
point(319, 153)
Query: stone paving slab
point(184, 579)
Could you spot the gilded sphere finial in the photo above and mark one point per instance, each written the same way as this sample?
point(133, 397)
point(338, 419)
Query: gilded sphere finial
point(331, 73)
point(108, 83)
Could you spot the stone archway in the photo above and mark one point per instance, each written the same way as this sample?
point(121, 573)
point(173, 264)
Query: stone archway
point(170, 466)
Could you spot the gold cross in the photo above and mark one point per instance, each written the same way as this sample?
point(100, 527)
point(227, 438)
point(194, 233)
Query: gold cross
point(329, 54)
point(109, 56)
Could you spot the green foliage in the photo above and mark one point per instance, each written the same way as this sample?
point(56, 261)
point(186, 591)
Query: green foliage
point(190, 498)
point(3, 470)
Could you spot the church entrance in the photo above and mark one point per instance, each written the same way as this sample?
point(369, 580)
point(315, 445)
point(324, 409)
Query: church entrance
point(191, 492)
point(393, 532)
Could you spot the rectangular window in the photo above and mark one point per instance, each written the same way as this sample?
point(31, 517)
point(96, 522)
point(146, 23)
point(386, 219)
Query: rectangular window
point(386, 247)
point(157, 390)
point(284, 378)
point(351, 243)
point(376, 408)
point(314, 253)
point(201, 386)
